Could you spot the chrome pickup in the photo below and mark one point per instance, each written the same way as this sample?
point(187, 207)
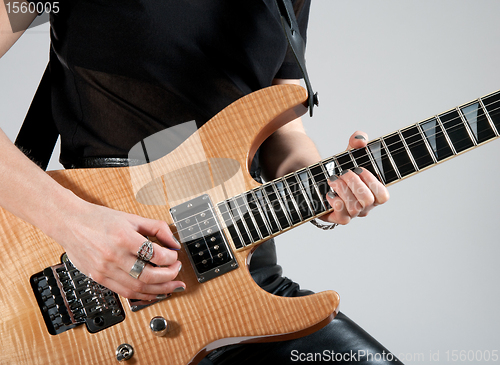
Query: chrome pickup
point(68, 298)
point(201, 234)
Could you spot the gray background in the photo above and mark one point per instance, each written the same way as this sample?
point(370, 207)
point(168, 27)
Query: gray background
point(420, 273)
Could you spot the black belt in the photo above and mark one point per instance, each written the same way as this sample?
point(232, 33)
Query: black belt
point(103, 162)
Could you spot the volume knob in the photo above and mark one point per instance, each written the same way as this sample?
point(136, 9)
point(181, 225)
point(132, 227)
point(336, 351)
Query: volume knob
point(159, 326)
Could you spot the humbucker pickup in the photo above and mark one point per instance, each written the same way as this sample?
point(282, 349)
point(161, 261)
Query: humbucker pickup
point(201, 234)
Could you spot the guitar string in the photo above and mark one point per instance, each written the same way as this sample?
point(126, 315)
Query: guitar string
point(417, 143)
point(420, 142)
point(394, 152)
point(286, 198)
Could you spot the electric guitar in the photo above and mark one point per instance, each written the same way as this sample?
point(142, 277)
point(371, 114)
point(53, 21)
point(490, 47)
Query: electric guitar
point(53, 314)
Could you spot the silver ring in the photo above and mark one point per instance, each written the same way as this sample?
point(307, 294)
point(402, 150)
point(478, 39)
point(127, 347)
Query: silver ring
point(136, 270)
point(325, 227)
point(145, 252)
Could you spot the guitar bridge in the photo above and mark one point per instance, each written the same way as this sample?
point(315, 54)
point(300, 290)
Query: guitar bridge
point(67, 298)
point(201, 234)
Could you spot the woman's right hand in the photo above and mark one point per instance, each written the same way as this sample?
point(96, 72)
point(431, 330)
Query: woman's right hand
point(103, 243)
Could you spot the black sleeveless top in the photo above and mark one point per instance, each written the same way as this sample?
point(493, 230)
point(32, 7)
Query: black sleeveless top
point(123, 70)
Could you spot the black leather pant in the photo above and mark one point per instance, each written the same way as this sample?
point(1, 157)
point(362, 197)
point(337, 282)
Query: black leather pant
point(340, 342)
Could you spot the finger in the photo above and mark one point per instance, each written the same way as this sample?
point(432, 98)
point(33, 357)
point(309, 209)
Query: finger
point(161, 255)
point(362, 193)
point(358, 139)
point(158, 229)
point(143, 291)
point(157, 275)
point(125, 285)
point(379, 191)
point(340, 215)
point(339, 185)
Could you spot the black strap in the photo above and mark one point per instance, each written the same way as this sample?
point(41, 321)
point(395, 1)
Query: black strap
point(38, 134)
point(297, 45)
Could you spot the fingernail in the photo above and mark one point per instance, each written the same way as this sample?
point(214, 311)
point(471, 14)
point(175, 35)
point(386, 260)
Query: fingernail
point(344, 172)
point(357, 170)
point(333, 178)
point(359, 136)
point(180, 267)
point(163, 296)
point(331, 194)
point(179, 289)
point(176, 241)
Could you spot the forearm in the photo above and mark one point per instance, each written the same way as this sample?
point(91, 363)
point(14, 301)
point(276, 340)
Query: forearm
point(101, 242)
point(28, 192)
point(287, 150)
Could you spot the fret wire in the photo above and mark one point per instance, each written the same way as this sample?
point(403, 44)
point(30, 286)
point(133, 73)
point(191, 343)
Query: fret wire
point(389, 156)
point(423, 137)
point(336, 164)
point(410, 155)
point(321, 165)
point(235, 225)
point(242, 219)
point(426, 142)
point(316, 187)
point(304, 193)
point(325, 172)
point(352, 158)
point(445, 134)
point(286, 186)
point(287, 194)
point(471, 114)
point(374, 164)
point(264, 194)
point(250, 214)
point(420, 133)
point(488, 117)
point(282, 204)
point(294, 202)
point(264, 217)
point(444, 131)
point(466, 124)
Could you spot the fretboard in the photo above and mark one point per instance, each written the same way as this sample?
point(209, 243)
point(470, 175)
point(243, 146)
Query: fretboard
point(284, 203)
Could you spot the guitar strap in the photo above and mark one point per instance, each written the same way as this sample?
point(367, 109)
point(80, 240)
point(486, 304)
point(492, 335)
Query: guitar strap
point(38, 134)
point(297, 45)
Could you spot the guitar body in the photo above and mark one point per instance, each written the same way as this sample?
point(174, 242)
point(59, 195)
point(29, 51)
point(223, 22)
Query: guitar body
point(228, 309)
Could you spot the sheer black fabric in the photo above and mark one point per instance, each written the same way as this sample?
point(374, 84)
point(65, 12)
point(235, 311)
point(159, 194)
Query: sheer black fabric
point(125, 69)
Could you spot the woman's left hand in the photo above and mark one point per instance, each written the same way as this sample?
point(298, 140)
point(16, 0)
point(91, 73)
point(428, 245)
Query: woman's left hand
point(357, 190)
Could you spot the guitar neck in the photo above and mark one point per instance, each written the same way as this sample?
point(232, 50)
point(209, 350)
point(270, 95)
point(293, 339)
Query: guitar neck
point(284, 203)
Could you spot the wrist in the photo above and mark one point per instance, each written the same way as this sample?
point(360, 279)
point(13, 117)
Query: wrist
point(61, 207)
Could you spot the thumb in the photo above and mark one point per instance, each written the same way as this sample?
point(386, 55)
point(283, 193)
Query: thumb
point(358, 139)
